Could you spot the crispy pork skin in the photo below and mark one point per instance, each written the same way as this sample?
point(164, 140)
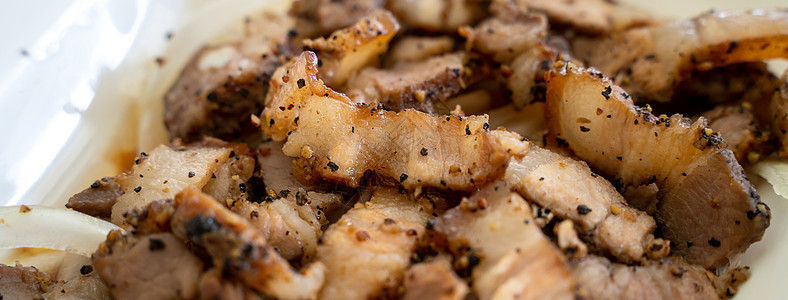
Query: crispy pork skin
point(706, 206)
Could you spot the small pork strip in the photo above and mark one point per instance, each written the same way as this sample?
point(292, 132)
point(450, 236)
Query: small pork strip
point(437, 15)
point(738, 127)
point(414, 148)
point(650, 61)
point(347, 50)
point(572, 191)
point(590, 16)
point(495, 229)
point(434, 280)
point(707, 207)
point(665, 279)
point(417, 85)
point(238, 248)
point(368, 249)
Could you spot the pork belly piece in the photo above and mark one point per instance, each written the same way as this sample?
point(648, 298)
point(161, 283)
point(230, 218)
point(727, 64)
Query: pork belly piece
point(665, 279)
point(650, 61)
point(155, 266)
point(572, 191)
point(707, 207)
point(779, 115)
point(98, 199)
point(437, 15)
point(493, 233)
point(368, 249)
point(416, 85)
point(166, 170)
point(738, 127)
point(590, 16)
point(348, 50)
point(224, 84)
point(417, 149)
point(237, 248)
point(434, 280)
point(414, 48)
point(18, 282)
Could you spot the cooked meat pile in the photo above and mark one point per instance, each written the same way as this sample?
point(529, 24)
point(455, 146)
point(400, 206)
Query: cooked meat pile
point(345, 151)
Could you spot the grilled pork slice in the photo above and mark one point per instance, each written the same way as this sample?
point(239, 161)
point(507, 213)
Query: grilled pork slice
point(417, 85)
point(779, 115)
point(738, 127)
point(707, 207)
point(414, 48)
point(368, 249)
point(224, 84)
point(665, 279)
point(23, 282)
point(572, 191)
point(434, 280)
point(414, 148)
point(590, 16)
point(154, 266)
point(437, 15)
point(347, 50)
point(330, 15)
point(648, 62)
point(98, 199)
point(237, 248)
point(220, 168)
point(493, 233)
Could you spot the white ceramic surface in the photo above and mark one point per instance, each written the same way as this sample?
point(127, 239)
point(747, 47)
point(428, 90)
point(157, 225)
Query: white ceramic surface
point(80, 95)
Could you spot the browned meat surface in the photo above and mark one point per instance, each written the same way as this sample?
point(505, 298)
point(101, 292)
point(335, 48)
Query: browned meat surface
point(23, 282)
point(238, 249)
point(414, 148)
point(572, 191)
point(437, 15)
point(224, 84)
point(665, 279)
point(348, 50)
point(330, 15)
point(213, 286)
point(368, 249)
point(738, 127)
point(649, 61)
point(214, 165)
point(707, 207)
point(493, 233)
point(418, 48)
point(591, 16)
point(434, 280)
point(155, 266)
point(417, 85)
point(779, 115)
point(98, 199)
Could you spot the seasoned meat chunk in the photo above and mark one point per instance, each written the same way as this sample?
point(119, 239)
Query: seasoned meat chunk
point(368, 249)
point(779, 115)
point(648, 62)
point(224, 84)
point(434, 280)
point(155, 266)
point(738, 127)
point(98, 199)
point(493, 233)
point(571, 190)
point(460, 151)
point(706, 205)
point(591, 16)
point(437, 15)
point(418, 48)
point(23, 282)
point(330, 15)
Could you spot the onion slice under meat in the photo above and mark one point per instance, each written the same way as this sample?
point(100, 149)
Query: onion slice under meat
point(51, 228)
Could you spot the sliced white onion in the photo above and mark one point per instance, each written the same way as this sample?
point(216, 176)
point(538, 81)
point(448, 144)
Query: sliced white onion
point(776, 173)
point(51, 228)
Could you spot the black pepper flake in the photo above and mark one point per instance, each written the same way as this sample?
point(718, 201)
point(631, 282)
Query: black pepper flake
point(403, 177)
point(607, 92)
point(155, 245)
point(295, 120)
point(86, 269)
point(584, 129)
point(467, 130)
point(301, 83)
point(292, 33)
point(430, 225)
point(619, 158)
point(191, 174)
point(714, 242)
point(242, 187)
point(424, 152)
point(271, 122)
point(232, 154)
point(732, 46)
point(333, 166)
point(541, 178)
point(282, 108)
point(689, 244)
point(353, 129)
point(582, 209)
point(486, 126)
point(137, 189)
point(211, 97)
point(269, 198)
point(284, 193)
point(95, 184)
point(448, 118)
point(683, 174)
point(213, 175)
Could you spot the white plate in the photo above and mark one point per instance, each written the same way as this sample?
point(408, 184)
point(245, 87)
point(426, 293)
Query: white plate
point(80, 95)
